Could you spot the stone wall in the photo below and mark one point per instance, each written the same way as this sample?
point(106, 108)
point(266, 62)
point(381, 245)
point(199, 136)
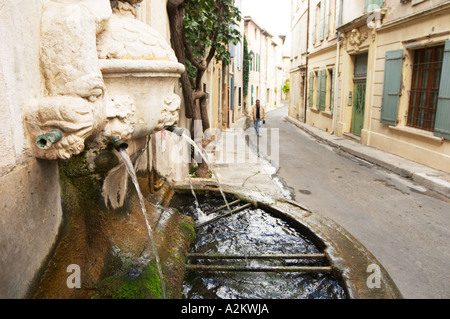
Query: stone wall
point(30, 212)
point(30, 196)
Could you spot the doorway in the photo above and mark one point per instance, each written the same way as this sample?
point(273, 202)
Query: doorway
point(359, 93)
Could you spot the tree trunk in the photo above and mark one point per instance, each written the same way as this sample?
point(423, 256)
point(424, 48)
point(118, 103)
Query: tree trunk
point(195, 102)
point(175, 10)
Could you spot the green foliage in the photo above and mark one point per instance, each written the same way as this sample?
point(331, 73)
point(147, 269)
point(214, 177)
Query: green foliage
point(286, 87)
point(209, 26)
point(246, 73)
point(188, 230)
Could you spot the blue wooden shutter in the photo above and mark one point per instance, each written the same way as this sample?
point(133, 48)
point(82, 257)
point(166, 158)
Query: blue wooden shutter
point(372, 5)
point(327, 19)
point(259, 63)
point(238, 55)
point(392, 87)
point(322, 89)
point(442, 122)
point(313, 27)
point(333, 80)
point(232, 94)
point(322, 19)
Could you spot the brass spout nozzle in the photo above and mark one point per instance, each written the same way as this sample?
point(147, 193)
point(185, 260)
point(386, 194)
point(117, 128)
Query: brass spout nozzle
point(46, 140)
point(175, 129)
point(119, 144)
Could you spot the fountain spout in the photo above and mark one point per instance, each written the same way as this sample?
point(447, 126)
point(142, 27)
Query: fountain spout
point(119, 144)
point(175, 129)
point(45, 141)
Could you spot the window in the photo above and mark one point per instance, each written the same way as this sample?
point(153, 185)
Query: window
point(321, 90)
point(425, 87)
point(429, 104)
point(372, 5)
point(332, 77)
point(321, 25)
point(317, 21)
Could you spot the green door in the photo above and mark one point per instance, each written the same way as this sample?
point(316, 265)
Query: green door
point(359, 93)
point(358, 107)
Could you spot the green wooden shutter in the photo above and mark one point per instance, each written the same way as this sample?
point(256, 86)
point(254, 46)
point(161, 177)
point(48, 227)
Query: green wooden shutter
point(311, 88)
point(392, 86)
point(326, 18)
point(371, 5)
point(322, 18)
point(333, 80)
point(313, 27)
point(258, 68)
point(442, 122)
point(252, 96)
point(322, 89)
point(319, 82)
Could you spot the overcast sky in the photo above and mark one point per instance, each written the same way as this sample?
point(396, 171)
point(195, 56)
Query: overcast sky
point(273, 15)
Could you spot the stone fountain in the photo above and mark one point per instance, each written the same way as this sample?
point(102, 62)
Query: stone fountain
point(109, 81)
point(109, 77)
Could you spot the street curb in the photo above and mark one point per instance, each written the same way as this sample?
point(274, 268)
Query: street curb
point(425, 176)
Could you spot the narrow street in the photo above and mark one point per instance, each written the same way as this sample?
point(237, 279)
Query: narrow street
point(406, 228)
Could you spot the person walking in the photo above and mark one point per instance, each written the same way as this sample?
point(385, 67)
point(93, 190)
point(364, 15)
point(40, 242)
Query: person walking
point(258, 115)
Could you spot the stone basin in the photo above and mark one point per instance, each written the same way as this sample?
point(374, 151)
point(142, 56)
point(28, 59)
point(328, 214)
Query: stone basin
point(351, 262)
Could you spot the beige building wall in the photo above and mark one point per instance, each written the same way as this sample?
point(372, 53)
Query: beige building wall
point(266, 67)
point(407, 27)
point(237, 72)
point(322, 61)
point(298, 56)
point(30, 213)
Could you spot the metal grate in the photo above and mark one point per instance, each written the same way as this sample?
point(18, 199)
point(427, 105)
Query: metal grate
point(425, 87)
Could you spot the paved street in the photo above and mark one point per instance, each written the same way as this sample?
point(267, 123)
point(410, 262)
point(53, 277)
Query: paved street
point(405, 226)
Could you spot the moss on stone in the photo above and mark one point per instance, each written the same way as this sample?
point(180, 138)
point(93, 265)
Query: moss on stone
point(144, 286)
point(188, 230)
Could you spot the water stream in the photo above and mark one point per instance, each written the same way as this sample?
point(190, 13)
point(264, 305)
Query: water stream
point(132, 173)
point(188, 139)
point(202, 217)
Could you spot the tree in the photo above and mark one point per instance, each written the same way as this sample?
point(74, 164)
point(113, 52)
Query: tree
point(286, 87)
point(200, 31)
point(246, 71)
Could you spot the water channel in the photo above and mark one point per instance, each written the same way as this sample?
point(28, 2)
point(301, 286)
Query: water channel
point(250, 233)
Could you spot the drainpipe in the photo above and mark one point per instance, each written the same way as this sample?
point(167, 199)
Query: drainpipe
point(336, 85)
point(336, 80)
point(211, 66)
point(305, 93)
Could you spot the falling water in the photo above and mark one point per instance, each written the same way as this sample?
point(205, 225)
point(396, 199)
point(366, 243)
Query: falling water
point(218, 183)
point(202, 217)
point(132, 173)
point(187, 138)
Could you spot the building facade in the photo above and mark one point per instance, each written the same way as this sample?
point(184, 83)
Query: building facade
point(266, 65)
point(378, 73)
point(299, 58)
